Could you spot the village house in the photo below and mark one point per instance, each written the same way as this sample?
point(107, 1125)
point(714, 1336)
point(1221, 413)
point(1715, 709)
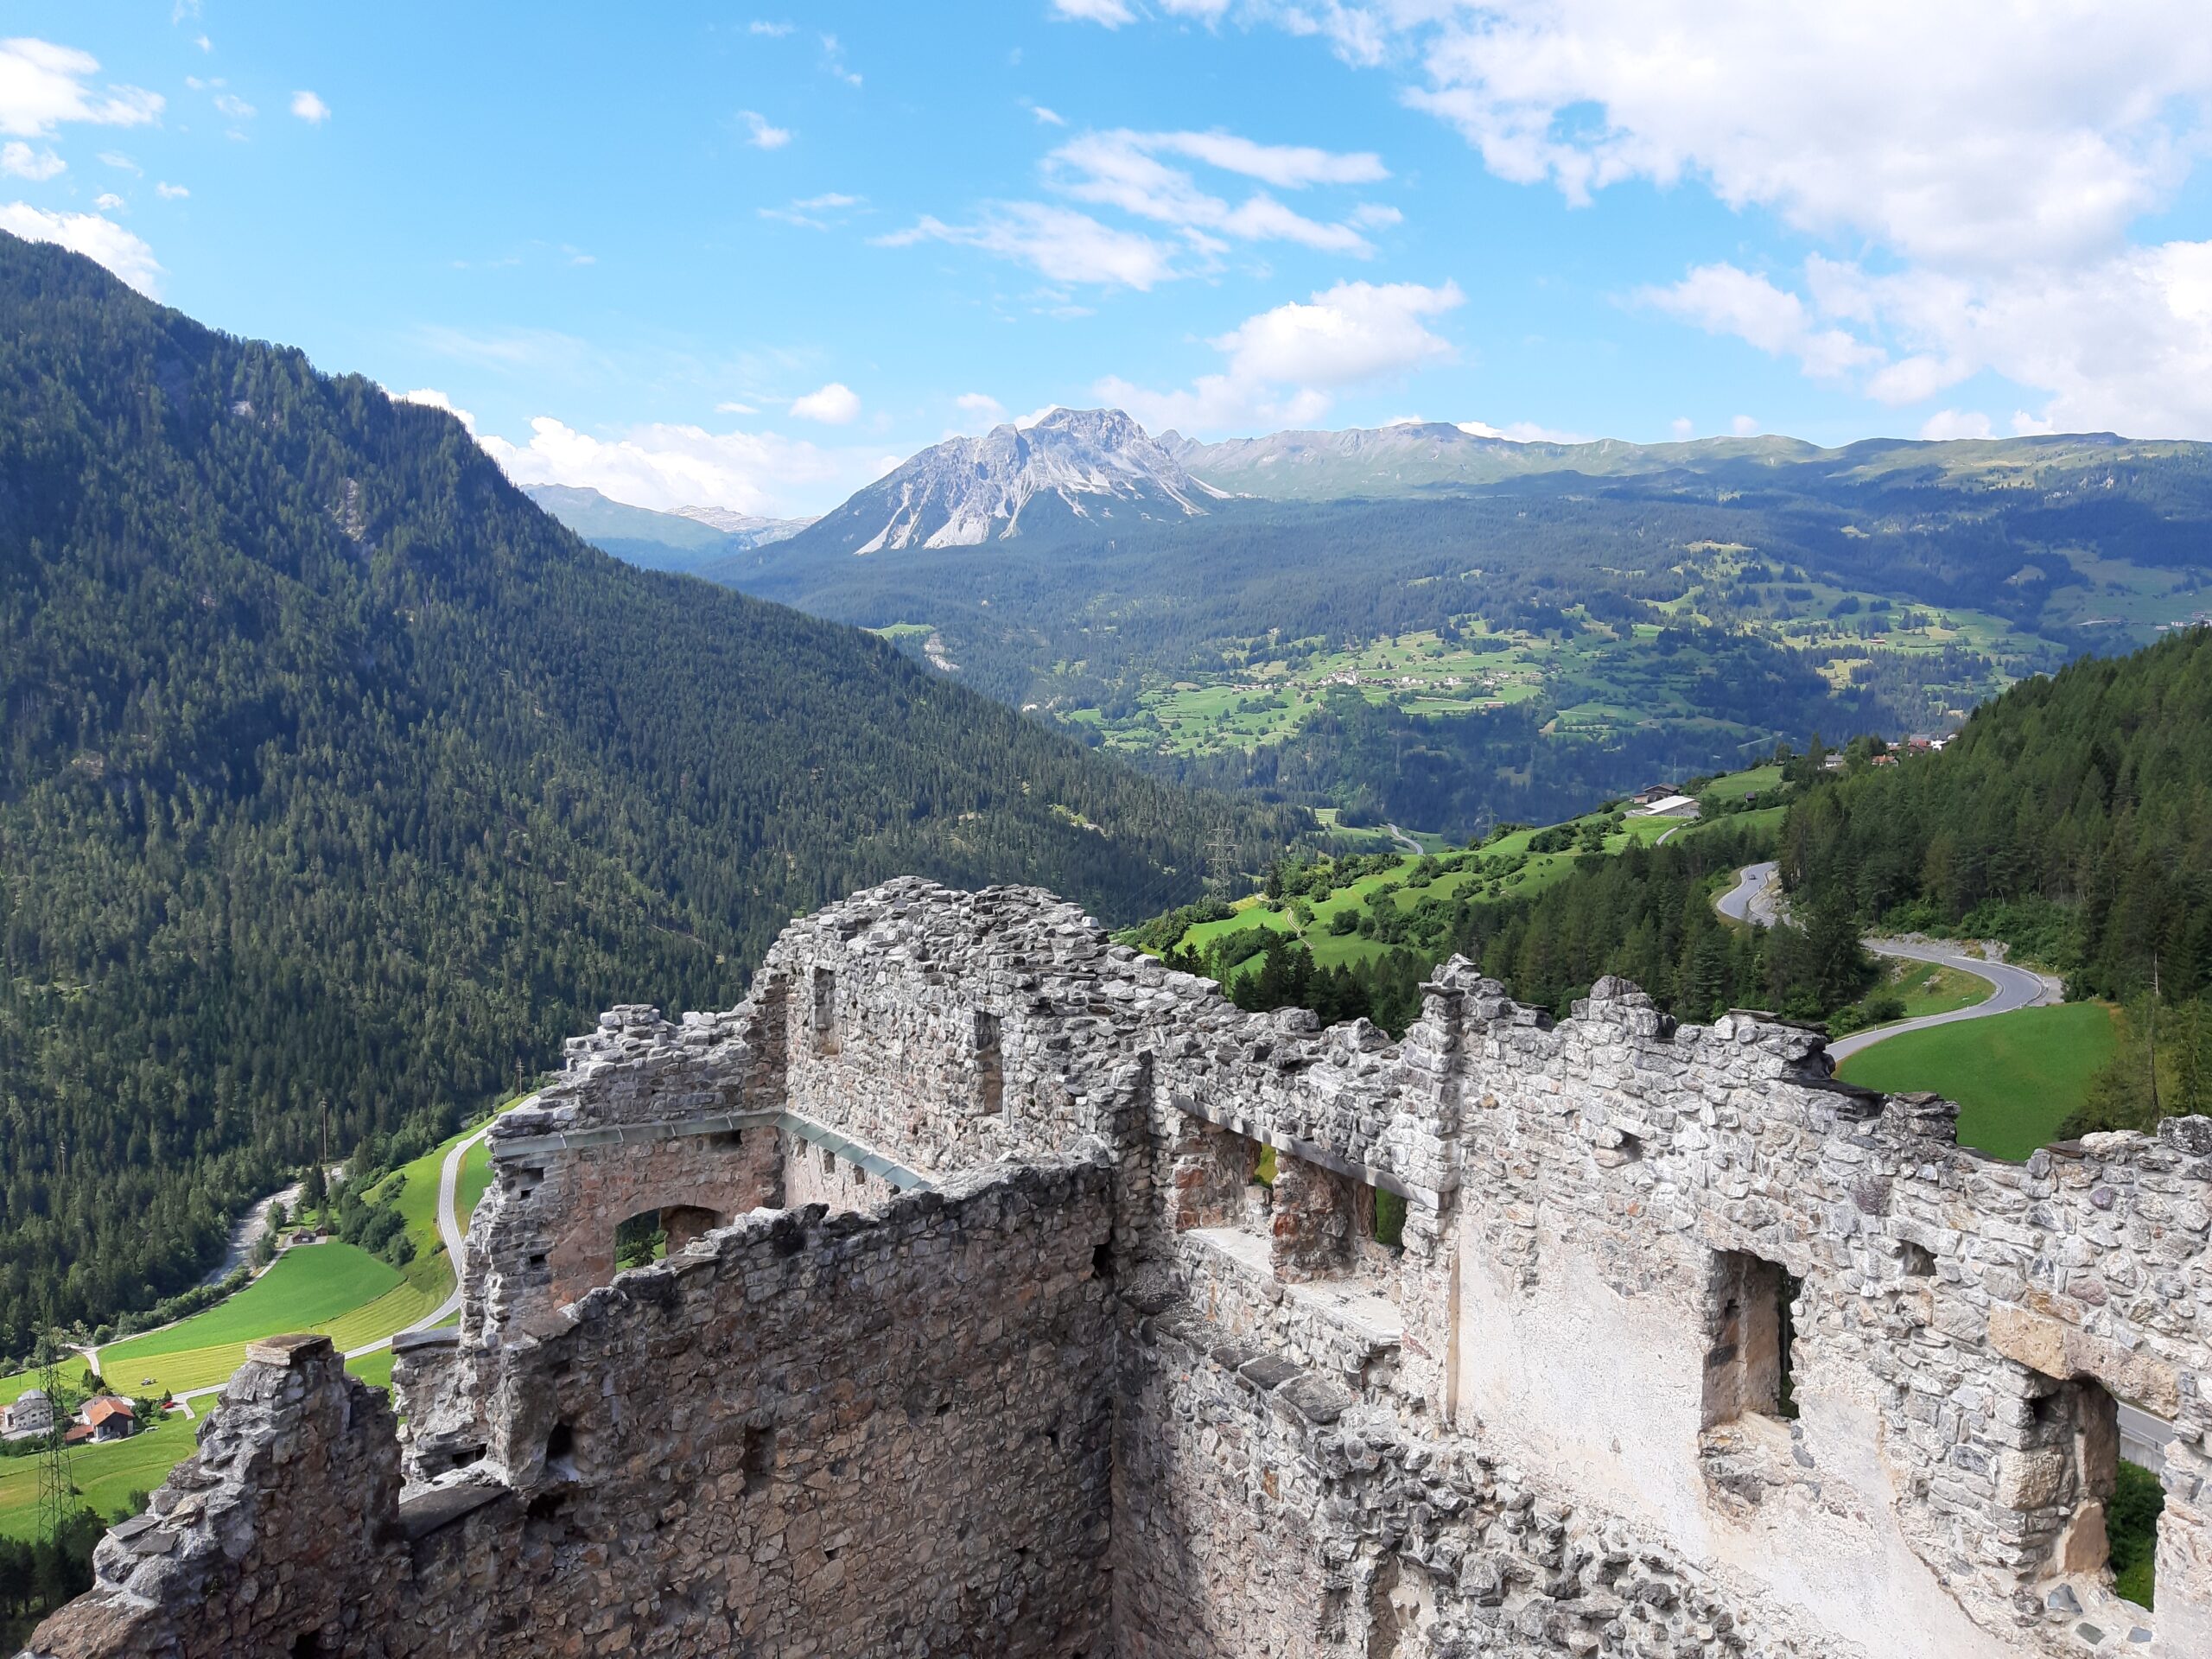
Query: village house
point(31, 1414)
point(104, 1417)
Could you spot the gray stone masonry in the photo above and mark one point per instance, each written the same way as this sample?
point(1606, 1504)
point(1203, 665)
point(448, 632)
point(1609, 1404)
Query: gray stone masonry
point(980, 1336)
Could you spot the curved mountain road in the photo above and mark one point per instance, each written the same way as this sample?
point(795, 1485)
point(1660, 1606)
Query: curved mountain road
point(1755, 899)
point(451, 1228)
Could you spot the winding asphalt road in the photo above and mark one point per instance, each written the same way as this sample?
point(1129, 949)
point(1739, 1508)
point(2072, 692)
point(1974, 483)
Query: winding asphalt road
point(1756, 897)
point(451, 1228)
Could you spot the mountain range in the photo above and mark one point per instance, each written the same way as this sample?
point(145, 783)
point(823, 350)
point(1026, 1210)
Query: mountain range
point(1443, 626)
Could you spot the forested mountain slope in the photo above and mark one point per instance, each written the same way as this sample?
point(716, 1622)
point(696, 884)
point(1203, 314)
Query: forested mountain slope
point(2073, 813)
point(335, 770)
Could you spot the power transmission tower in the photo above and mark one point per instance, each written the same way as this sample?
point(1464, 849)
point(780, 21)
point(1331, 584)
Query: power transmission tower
point(1221, 860)
point(55, 1491)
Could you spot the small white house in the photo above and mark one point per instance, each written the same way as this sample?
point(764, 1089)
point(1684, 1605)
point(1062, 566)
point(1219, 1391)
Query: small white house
point(1667, 806)
point(31, 1414)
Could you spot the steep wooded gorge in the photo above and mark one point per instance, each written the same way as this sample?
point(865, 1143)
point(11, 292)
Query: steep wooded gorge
point(337, 773)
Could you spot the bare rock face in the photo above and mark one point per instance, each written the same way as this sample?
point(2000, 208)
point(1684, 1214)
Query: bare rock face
point(1027, 1298)
point(1091, 464)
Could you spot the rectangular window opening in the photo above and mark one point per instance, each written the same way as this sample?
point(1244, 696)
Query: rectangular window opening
point(1751, 1336)
point(823, 1013)
point(990, 1070)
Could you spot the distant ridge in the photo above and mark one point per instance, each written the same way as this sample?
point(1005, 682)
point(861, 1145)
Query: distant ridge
point(688, 539)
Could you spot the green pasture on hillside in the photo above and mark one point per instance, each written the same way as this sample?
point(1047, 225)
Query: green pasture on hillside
point(2015, 1076)
point(1541, 870)
point(104, 1476)
point(328, 1287)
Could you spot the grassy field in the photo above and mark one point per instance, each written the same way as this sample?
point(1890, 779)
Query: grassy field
point(105, 1476)
point(2015, 1076)
point(1929, 987)
point(329, 1287)
point(351, 1297)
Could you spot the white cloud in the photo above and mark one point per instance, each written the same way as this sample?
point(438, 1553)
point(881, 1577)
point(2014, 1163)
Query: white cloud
point(1520, 432)
point(1744, 426)
point(775, 31)
point(664, 467)
point(1121, 170)
point(761, 136)
point(1285, 364)
point(1993, 176)
point(1682, 426)
point(171, 192)
point(430, 396)
point(121, 163)
point(833, 61)
point(1059, 243)
point(42, 84)
point(834, 404)
point(982, 406)
point(1112, 13)
point(96, 238)
point(234, 106)
point(828, 200)
point(1047, 118)
point(20, 160)
point(1948, 424)
point(107, 201)
point(1723, 299)
point(1287, 167)
point(309, 108)
point(734, 408)
point(1916, 124)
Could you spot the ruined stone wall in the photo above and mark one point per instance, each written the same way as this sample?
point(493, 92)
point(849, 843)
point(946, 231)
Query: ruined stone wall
point(1551, 1420)
point(878, 1433)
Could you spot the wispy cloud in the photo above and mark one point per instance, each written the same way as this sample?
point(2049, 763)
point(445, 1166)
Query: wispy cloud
point(43, 86)
point(833, 61)
point(169, 192)
point(760, 134)
point(1059, 243)
point(19, 160)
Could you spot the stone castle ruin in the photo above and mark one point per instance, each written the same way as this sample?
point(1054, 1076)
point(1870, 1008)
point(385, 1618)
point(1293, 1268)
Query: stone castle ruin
point(979, 1333)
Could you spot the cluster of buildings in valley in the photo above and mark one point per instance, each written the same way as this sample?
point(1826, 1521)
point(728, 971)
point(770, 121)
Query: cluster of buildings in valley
point(102, 1418)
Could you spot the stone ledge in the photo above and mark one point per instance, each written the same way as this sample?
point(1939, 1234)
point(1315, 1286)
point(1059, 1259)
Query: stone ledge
point(440, 1506)
point(1386, 1179)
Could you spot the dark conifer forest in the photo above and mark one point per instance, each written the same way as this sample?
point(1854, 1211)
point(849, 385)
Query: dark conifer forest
point(336, 773)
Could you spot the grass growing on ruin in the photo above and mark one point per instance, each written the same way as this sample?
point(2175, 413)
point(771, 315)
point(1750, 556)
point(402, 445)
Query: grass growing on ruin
point(2015, 1076)
point(105, 1476)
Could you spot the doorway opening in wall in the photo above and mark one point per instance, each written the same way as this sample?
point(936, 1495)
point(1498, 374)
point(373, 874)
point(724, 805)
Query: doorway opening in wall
point(1751, 1339)
point(2108, 1506)
point(638, 1241)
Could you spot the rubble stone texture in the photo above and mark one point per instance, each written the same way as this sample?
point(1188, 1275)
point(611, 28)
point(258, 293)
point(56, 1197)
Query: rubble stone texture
point(977, 1336)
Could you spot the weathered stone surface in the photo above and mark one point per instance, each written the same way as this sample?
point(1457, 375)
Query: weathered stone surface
point(978, 1335)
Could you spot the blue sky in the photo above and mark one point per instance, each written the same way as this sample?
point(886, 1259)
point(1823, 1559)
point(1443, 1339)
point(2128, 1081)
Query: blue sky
point(746, 255)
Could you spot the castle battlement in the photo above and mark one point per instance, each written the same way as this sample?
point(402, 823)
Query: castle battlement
point(1023, 1296)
